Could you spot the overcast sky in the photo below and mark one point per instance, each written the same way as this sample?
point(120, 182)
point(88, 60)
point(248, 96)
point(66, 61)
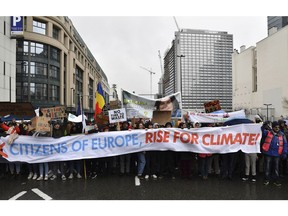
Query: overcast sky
point(124, 44)
point(124, 35)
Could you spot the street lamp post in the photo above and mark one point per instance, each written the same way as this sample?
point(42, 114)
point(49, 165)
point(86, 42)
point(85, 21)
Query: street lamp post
point(267, 105)
point(180, 56)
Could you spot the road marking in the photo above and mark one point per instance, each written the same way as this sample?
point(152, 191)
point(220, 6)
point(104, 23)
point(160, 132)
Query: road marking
point(137, 181)
point(41, 194)
point(18, 195)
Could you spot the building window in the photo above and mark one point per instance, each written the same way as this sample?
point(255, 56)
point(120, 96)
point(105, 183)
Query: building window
point(79, 80)
point(55, 54)
point(37, 49)
point(56, 32)
point(54, 93)
point(25, 91)
point(38, 70)
point(39, 27)
point(54, 73)
point(25, 48)
point(38, 91)
point(22, 68)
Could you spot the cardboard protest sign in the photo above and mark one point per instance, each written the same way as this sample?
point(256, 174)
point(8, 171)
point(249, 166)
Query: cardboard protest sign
point(101, 119)
point(161, 117)
point(41, 123)
point(117, 115)
point(54, 112)
point(114, 105)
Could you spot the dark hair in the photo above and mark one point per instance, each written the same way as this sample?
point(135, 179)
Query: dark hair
point(274, 124)
point(168, 123)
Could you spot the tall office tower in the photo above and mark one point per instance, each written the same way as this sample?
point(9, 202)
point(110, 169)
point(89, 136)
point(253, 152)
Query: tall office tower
point(275, 23)
point(199, 65)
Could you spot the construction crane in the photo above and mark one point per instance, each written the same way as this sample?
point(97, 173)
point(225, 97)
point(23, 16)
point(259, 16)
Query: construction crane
point(176, 23)
point(159, 55)
point(151, 72)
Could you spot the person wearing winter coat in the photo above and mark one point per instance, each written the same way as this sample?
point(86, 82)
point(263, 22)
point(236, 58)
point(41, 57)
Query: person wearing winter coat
point(273, 148)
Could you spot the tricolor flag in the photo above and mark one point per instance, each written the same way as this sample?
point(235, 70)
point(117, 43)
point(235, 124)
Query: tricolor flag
point(100, 102)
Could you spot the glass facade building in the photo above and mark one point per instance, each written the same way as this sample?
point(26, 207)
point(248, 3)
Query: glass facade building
point(54, 66)
point(277, 21)
point(199, 65)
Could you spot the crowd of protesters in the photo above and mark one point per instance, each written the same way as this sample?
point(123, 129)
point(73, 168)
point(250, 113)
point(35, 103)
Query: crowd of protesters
point(271, 162)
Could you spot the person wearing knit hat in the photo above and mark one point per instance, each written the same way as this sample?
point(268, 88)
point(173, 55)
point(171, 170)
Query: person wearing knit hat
point(273, 148)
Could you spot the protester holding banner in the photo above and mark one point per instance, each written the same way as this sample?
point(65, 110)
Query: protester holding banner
point(43, 167)
point(274, 147)
point(25, 129)
point(203, 159)
point(12, 129)
point(57, 132)
point(74, 165)
point(167, 160)
point(185, 159)
point(91, 164)
point(126, 158)
point(152, 160)
point(141, 160)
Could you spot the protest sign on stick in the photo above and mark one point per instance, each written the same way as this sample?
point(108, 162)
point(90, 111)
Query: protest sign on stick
point(41, 123)
point(117, 115)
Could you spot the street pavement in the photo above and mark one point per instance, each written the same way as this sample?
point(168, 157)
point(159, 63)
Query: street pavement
point(114, 187)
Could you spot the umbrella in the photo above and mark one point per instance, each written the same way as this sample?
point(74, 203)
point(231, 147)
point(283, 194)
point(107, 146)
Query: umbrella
point(236, 121)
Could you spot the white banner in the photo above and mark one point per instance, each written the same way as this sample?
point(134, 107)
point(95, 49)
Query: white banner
point(244, 137)
point(117, 115)
point(215, 117)
point(142, 107)
point(75, 119)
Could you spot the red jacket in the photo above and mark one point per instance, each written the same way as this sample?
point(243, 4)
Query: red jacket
point(6, 128)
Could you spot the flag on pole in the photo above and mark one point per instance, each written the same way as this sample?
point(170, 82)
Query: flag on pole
point(100, 102)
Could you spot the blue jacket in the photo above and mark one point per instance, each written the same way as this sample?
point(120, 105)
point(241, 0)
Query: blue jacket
point(273, 149)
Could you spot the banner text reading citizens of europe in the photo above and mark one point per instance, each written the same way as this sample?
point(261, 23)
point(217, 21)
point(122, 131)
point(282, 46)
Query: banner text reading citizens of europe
point(244, 137)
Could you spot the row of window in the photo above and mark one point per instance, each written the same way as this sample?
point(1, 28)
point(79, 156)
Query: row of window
point(37, 91)
point(37, 69)
point(40, 27)
point(37, 49)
